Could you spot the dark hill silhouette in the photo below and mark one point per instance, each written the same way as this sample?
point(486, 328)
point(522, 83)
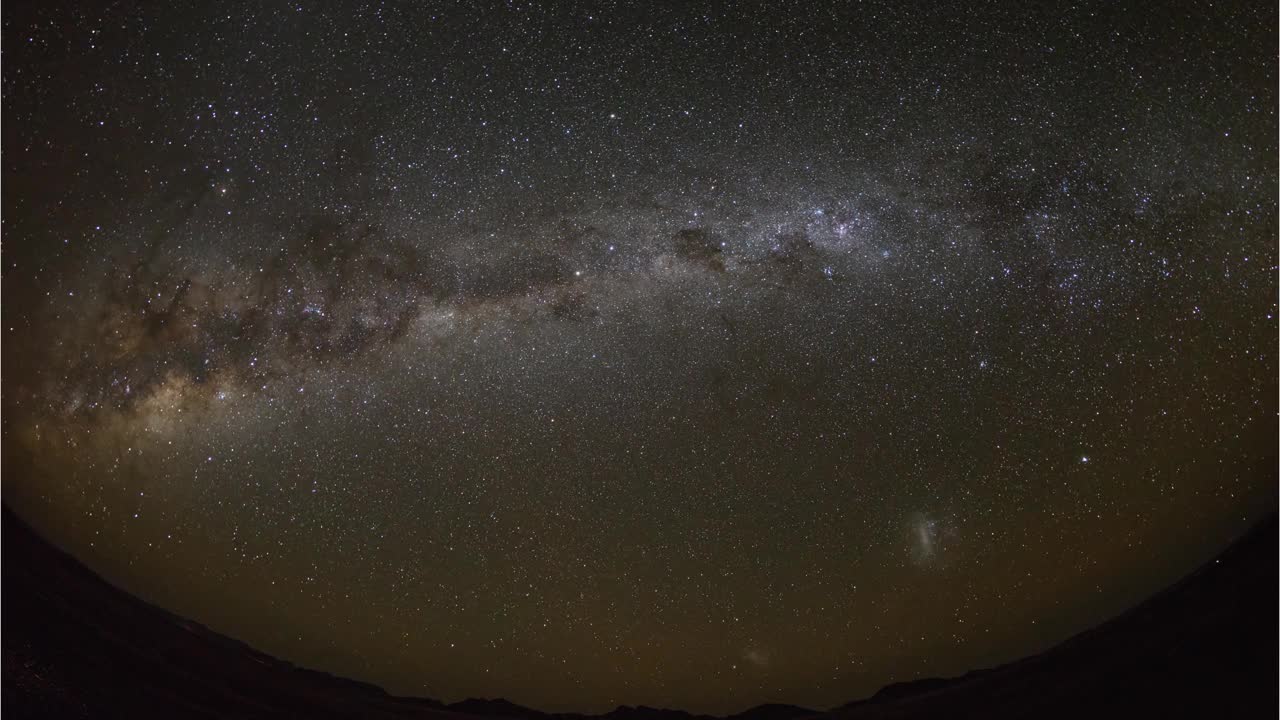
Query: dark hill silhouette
point(77, 647)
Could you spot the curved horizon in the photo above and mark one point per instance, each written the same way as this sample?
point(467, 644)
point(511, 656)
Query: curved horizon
point(1245, 555)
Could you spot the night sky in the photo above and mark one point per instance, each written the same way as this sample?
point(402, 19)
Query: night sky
point(689, 356)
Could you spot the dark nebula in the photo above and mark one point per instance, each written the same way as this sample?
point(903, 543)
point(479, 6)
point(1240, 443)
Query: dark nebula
point(681, 355)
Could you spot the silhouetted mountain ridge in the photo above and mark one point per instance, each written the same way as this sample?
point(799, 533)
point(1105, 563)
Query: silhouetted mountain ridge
point(77, 647)
point(506, 709)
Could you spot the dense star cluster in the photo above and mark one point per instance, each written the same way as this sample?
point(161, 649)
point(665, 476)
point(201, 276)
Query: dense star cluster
point(676, 354)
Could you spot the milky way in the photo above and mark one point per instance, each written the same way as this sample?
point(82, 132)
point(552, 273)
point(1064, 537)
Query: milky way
point(685, 356)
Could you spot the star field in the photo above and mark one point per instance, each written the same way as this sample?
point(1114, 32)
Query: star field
point(688, 356)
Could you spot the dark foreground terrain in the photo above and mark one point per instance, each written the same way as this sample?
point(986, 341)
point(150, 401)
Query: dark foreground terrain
point(76, 647)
